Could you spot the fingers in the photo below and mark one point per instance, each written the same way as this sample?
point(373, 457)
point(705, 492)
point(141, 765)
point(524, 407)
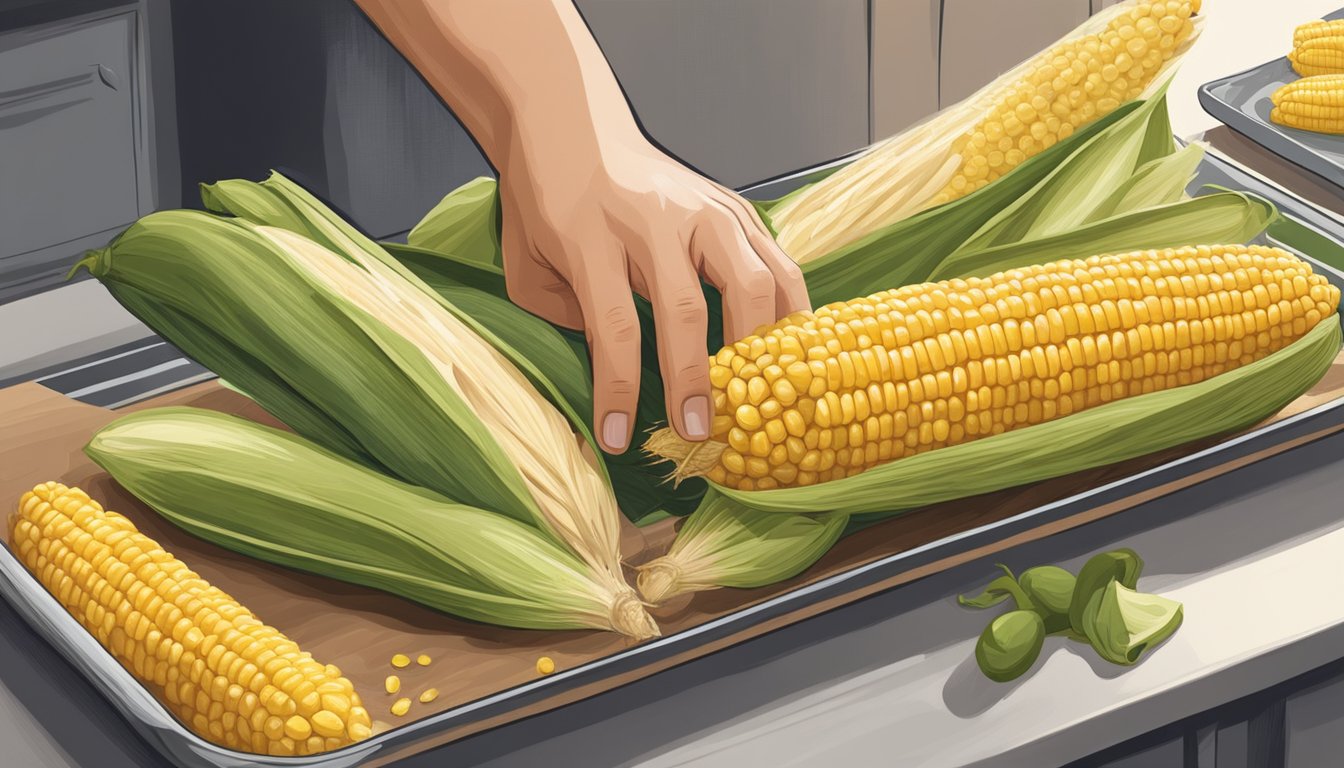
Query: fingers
point(790, 287)
point(536, 287)
point(748, 286)
point(602, 288)
point(681, 322)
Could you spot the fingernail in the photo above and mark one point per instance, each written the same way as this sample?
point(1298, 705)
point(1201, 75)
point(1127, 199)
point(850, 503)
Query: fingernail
point(614, 427)
point(695, 417)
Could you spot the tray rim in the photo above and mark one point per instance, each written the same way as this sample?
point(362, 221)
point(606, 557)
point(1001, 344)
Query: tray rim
point(1272, 137)
point(152, 721)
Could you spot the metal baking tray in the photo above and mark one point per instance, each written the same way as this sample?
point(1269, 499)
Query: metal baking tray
point(165, 734)
point(1242, 102)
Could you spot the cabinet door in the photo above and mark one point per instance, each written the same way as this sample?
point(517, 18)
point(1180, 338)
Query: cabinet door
point(982, 39)
point(67, 138)
point(742, 89)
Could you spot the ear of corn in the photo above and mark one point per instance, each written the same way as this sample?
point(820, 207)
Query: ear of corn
point(825, 395)
point(226, 675)
point(276, 497)
point(1109, 60)
point(1108, 433)
point(1071, 194)
point(1311, 104)
point(1318, 48)
point(350, 331)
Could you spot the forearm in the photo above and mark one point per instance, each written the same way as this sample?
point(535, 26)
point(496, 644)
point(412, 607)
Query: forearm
point(524, 76)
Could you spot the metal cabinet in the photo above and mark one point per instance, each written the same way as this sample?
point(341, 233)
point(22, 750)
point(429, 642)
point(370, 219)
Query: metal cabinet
point(745, 89)
point(69, 128)
point(982, 39)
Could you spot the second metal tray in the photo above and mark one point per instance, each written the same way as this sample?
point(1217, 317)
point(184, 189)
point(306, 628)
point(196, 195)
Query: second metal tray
point(1242, 103)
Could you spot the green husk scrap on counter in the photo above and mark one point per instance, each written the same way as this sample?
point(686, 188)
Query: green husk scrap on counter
point(1101, 607)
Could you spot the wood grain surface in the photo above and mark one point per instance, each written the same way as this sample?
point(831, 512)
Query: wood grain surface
point(42, 435)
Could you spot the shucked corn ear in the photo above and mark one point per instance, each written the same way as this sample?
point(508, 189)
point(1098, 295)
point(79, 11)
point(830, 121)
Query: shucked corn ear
point(797, 524)
point(1311, 104)
point(226, 675)
point(1111, 59)
point(828, 394)
point(343, 344)
point(275, 496)
point(1318, 48)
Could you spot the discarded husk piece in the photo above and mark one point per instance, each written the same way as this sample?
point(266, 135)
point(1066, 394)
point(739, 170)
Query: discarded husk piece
point(1050, 589)
point(1010, 645)
point(1123, 624)
point(1122, 565)
point(723, 544)
point(465, 222)
point(1102, 435)
point(277, 497)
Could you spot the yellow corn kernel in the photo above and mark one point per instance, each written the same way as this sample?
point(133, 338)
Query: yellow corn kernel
point(392, 684)
point(428, 695)
point(401, 661)
point(401, 706)
point(423, 660)
point(545, 665)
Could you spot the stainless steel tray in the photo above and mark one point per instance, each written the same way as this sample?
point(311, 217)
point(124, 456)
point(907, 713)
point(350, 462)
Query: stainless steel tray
point(1306, 227)
point(1242, 102)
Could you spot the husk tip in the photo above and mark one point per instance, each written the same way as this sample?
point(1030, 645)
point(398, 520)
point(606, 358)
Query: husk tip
point(631, 618)
point(659, 580)
point(689, 459)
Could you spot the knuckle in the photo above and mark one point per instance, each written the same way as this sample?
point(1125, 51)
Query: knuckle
point(620, 386)
point(758, 286)
point(619, 324)
point(687, 305)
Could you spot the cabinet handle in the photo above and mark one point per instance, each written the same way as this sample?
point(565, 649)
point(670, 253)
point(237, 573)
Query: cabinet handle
point(109, 78)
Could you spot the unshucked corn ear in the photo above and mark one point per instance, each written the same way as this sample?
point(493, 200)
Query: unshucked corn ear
point(274, 496)
point(1108, 433)
point(829, 394)
point(349, 349)
point(1311, 104)
point(1109, 60)
point(258, 693)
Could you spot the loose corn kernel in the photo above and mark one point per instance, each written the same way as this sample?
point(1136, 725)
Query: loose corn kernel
point(423, 660)
point(392, 684)
point(401, 661)
point(545, 665)
point(401, 706)
point(429, 695)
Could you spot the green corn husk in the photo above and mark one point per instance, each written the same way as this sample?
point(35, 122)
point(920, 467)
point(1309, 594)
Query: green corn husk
point(346, 337)
point(276, 497)
point(721, 546)
point(1219, 217)
point(1157, 182)
point(1105, 434)
point(465, 222)
point(1122, 624)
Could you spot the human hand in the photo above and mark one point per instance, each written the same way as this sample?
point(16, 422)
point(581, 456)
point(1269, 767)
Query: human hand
point(582, 230)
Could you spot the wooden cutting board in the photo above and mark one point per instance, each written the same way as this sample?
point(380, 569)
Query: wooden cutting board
point(42, 434)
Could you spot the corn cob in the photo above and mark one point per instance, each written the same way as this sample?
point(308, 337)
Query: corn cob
point(1111, 59)
point(1318, 56)
point(226, 675)
point(829, 394)
point(1313, 30)
point(1311, 104)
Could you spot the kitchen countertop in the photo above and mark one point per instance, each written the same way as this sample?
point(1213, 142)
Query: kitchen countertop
point(892, 675)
